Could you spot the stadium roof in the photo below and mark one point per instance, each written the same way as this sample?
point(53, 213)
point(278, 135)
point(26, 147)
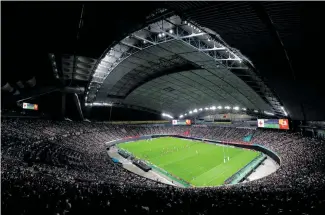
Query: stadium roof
point(176, 56)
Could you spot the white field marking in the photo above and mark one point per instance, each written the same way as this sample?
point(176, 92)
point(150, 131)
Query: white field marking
point(217, 165)
point(161, 155)
point(221, 174)
point(209, 170)
point(185, 157)
point(191, 173)
point(188, 171)
point(175, 151)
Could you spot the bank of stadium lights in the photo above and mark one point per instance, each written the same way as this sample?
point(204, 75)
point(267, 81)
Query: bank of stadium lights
point(171, 31)
point(235, 108)
point(285, 113)
point(167, 115)
point(244, 109)
point(181, 116)
point(190, 112)
point(219, 107)
point(195, 111)
point(227, 107)
point(213, 108)
point(99, 104)
point(185, 114)
point(206, 108)
point(200, 109)
point(269, 113)
point(256, 111)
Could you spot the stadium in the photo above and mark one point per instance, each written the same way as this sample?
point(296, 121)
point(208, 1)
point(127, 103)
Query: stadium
point(162, 108)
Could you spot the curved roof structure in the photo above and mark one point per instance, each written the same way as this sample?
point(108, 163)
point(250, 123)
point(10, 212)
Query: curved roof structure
point(173, 66)
point(274, 48)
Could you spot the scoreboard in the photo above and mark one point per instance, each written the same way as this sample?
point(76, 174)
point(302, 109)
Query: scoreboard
point(182, 122)
point(282, 124)
point(30, 106)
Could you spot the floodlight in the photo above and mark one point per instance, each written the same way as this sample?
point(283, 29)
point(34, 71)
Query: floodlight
point(220, 107)
point(227, 107)
point(195, 111)
point(171, 31)
point(144, 41)
point(185, 22)
point(181, 116)
point(185, 114)
point(256, 111)
point(213, 108)
point(269, 113)
point(243, 108)
point(209, 39)
point(200, 109)
point(190, 112)
point(163, 34)
point(159, 35)
point(285, 113)
point(236, 108)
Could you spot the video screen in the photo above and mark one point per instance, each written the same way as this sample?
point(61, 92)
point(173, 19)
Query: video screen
point(182, 122)
point(282, 124)
point(30, 106)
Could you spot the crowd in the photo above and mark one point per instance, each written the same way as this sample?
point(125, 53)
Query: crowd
point(62, 167)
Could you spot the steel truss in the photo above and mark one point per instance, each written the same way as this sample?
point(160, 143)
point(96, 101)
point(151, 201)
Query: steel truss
point(158, 33)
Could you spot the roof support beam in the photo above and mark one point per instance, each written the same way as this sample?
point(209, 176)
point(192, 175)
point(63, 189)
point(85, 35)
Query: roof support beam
point(227, 59)
point(212, 49)
point(143, 39)
point(238, 68)
point(131, 45)
point(192, 35)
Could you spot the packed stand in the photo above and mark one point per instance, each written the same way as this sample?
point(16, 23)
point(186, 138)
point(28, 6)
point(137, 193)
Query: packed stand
point(61, 167)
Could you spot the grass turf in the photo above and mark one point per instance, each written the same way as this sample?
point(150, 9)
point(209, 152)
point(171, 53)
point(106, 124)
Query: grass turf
point(198, 163)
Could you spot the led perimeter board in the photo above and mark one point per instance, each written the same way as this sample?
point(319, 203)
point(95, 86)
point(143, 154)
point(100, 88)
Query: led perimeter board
point(282, 124)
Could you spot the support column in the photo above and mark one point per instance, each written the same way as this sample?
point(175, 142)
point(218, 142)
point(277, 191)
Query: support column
point(77, 102)
point(63, 104)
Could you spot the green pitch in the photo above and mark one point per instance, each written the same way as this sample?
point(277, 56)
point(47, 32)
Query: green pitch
point(198, 163)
